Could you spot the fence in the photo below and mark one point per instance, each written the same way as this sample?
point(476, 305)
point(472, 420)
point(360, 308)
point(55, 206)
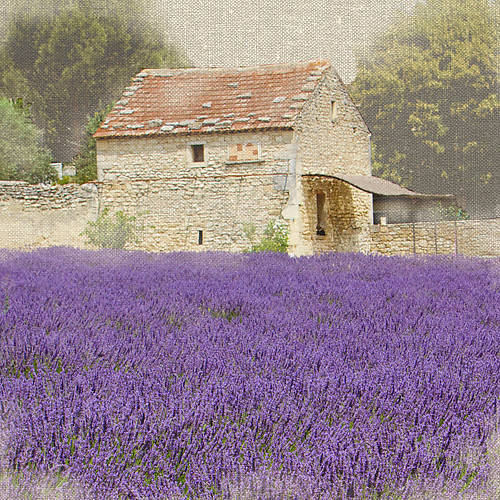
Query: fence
point(478, 237)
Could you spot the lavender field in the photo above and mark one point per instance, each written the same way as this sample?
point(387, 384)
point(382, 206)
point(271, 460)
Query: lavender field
point(213, 375)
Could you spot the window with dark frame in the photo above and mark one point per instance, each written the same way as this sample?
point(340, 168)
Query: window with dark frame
point(198, 153)
point(200, 237)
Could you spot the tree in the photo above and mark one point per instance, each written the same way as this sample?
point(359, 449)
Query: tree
point(428, 93)
point(21, 157)
point(73, 63)
point(86, 161)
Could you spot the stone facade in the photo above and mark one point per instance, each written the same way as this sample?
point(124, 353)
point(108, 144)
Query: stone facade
point(465, 237)
point(345, 224)
point(174, 198)
point(155, 179)
point(34, 216)
point(335, 144)
point(40, 215)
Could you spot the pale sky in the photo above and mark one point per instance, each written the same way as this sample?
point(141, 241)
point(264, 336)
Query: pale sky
point(250, 32)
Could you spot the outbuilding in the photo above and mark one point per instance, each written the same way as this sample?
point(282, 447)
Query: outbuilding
point(199, 154)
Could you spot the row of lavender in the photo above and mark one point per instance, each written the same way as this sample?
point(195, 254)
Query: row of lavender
point(151, 376)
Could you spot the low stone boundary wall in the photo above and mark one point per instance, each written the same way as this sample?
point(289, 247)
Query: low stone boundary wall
point(38, 215)
point(466, 237)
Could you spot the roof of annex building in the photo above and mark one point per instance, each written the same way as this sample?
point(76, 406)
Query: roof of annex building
point(376, 185)
point(202, 100)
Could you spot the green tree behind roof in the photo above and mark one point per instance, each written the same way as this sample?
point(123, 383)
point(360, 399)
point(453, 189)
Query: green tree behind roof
point(21, 156)
point(72, 63)
point(428, 92)
point(86, 161)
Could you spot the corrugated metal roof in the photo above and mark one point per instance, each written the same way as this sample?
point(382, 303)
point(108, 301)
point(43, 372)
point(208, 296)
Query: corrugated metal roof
point(195, 100)
point(376, 185)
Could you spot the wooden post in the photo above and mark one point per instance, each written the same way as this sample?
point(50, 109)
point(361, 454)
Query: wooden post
point(413, 231)
point(456, 236)
point(435, 234)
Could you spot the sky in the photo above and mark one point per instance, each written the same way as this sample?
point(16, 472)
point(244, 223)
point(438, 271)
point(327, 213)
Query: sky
point(251, 32)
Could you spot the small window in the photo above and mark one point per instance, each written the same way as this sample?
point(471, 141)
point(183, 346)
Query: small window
point(198, 153)
point(200, 237)
point(333, 110)
point(320, 214)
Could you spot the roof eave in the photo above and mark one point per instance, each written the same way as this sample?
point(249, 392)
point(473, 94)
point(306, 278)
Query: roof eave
point(419, 195)
point(375, 191)
point(192, 132)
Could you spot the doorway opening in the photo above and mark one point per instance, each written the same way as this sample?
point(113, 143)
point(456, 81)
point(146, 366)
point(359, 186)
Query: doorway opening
point(320, 214)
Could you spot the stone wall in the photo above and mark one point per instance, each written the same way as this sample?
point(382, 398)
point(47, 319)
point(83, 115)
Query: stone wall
point(41, 215)
point(219, 204)
point(466, 237)
point(175, 198)
point(346, 212)
point(332, 145)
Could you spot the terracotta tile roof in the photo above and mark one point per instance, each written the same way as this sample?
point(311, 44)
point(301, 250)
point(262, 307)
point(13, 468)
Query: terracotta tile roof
point(176, 101)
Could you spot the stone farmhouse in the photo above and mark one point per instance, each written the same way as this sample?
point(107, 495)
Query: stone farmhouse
point(197, 154)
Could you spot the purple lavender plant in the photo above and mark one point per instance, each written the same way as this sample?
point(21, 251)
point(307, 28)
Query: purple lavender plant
point(208, 375)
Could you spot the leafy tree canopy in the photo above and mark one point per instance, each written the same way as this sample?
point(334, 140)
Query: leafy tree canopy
point(21, 157)
point(428, 92)
point(73, 62)
point(86, 161)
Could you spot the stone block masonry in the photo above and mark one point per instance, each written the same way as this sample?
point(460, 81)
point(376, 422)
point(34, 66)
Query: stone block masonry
point(244, 162)
point(333, 139)
point(40, 215)
point(174, 197)
point(34, 216)
point(466, 237)
point(346, 216)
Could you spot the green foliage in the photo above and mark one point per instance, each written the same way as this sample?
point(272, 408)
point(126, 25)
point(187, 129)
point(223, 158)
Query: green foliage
point(275, 238)
point(21, 156)
point(428, 92)
point(228, 314)
point(71, 64)
point(450, 212)
point(66, 179)
point(249, 230)
point(112, 231)
point(86, 161)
